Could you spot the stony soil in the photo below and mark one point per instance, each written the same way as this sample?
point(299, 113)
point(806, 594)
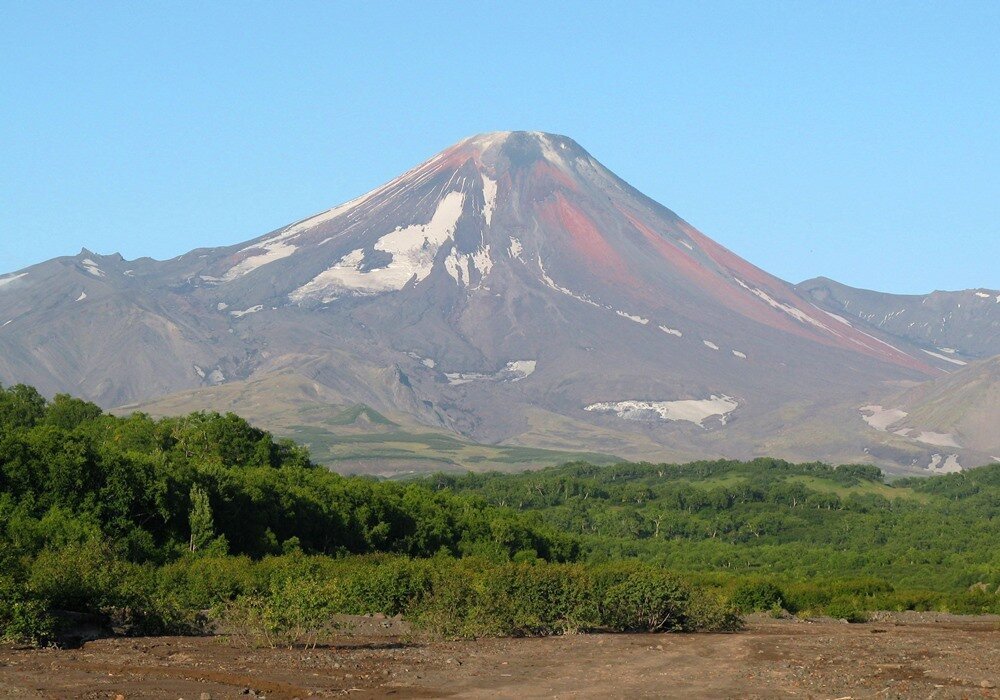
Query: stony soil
point(899, 656)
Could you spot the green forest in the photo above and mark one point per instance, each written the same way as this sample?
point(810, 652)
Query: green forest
point(163, 526)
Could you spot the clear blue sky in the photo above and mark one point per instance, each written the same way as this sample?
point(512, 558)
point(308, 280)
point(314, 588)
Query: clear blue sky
point(857, 140)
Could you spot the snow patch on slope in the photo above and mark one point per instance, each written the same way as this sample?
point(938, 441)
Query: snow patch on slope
point(245, 312)
point(710, 344)
point(671, 331)
point(279, 246)
point(946, 358)
point(792, 311)
point(490, 199)
point(550, 283)
point(83, 295)
point(950, 464)
point(91, 267)
point(412, 248)
point(632, 317)
point(515, 248)
point(693, 410)
point(8, 280)
point(513, 371)
point(881, 418)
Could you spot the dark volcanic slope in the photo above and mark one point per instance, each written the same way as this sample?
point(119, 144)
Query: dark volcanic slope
point(509, 289)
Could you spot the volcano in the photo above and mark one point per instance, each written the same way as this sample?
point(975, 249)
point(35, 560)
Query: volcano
point(510, 291)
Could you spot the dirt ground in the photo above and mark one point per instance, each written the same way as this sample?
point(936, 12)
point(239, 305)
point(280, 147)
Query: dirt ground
point(900, 656)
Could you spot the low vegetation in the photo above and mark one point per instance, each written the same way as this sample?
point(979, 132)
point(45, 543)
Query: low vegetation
point(177, 524)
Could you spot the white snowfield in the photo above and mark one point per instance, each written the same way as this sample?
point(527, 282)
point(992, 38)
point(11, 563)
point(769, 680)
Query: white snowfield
point(412, 248)
point(792, 311)
point(692, 410)
point(245, 312)
point(739, 354)
point(882, 419)
point(459, 266)
point(490, 199)
point(92, 267)
point(709, 344)
point(949, 465)
point(83, 295)
point(632, 317)
point(671, 331)
point(280, 246)
point(515, 248)
point(276, 248)
point(952, 360)
point(513, 371)
point(8, 280)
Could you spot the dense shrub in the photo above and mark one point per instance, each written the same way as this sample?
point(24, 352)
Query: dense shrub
point(24, 619)
point(757, 596)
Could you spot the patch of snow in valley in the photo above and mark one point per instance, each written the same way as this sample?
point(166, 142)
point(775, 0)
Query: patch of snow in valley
point(216, 377)
point(945, 358)
point(632, 317)
point(513, 371)
point(881, 418)
point(199, 371)
point(412, 250)
point(83, 295)
point(458, 378)
point(936, 439)
point(950, 464)
point(222, 306)
point(685, 244)
point(710, 344)
point(251, 310)
point(428, 362)
point(521, 369)
point(741, 355)
point(983, 295)
point(692, 411)
point(671, 331)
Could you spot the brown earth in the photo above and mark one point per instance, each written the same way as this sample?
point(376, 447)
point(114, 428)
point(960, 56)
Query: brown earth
point(900, 656)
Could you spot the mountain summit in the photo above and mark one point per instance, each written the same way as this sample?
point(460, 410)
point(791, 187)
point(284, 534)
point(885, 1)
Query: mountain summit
point(511, 289)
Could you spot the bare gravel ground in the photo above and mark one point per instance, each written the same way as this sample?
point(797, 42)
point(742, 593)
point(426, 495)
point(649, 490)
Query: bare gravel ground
point(908, 655)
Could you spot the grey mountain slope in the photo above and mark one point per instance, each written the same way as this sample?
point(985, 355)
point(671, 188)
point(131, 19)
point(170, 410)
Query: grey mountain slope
point(509, 291)
point(955, 326)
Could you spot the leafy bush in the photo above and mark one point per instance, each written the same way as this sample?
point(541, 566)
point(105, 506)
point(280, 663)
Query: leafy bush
point(23, 619)
point(846, 609)
point(646, 600)
point(292, 613)
point(757, 596)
